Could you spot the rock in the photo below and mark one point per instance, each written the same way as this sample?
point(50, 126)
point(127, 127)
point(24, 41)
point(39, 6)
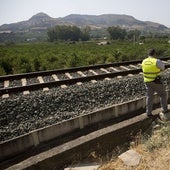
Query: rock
point(130, 158)
point(88, 166)
point(164, 117)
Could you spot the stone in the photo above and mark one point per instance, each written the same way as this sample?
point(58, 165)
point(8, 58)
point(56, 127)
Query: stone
point(164, 117)
point(130, 158)
point(89, 166)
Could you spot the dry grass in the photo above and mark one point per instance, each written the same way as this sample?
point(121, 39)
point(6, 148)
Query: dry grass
point(155, 152)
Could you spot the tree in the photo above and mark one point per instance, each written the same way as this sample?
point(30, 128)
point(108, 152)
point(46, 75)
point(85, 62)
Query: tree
point(63, 32)
point(73, 61)
point(116, 33)
point(22, 65)
point(51, 34)
point(133, 35)
point(6, 66)
point(85, 33)
point(36, 64)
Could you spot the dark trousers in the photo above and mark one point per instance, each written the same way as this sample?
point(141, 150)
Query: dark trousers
point(159, 88)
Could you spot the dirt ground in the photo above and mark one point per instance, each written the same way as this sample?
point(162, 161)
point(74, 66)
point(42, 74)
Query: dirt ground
point(155, 153)
point(157, 160)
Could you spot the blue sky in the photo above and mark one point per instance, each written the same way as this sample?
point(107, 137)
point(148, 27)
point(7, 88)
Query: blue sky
point(12, 11)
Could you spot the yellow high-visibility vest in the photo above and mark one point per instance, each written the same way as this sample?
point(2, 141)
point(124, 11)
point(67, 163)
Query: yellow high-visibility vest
point(150, 70)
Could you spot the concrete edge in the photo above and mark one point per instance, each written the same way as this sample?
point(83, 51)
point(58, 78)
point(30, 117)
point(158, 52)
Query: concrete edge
point(84, 144)
point(37, 137)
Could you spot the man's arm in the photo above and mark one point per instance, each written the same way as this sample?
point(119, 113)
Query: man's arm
point(160, 64)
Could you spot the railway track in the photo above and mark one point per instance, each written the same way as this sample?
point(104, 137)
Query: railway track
point(63, 77)
point(11, 112)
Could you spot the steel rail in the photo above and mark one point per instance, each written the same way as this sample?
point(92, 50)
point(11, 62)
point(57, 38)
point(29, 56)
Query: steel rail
point(59, 71)
point(74, 69)
point(36, 86)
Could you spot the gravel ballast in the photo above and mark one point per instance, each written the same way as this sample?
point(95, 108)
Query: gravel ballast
point(20, 114)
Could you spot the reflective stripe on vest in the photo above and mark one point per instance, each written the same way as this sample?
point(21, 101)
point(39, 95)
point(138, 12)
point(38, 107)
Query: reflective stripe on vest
point(150, 70)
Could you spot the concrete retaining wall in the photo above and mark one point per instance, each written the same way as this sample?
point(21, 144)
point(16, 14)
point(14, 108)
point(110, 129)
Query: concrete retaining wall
point(101, 142)
point(16, 146)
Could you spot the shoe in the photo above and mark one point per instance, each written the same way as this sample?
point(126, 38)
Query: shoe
point(164, 116)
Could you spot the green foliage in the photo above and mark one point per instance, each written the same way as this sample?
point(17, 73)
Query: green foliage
point(117, 33)
point(2, 71)
point(133, 35)
point(35, 36)
point(72, 33)
point(161, 140)
point(5, 66)
point(28, 57)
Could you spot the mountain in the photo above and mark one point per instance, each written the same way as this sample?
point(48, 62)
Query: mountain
point(42, 21)
point(107, 20)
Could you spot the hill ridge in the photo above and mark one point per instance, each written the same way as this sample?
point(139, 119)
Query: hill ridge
point(43, 21)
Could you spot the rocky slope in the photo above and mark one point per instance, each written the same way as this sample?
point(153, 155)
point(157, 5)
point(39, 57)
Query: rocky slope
point(42, 21)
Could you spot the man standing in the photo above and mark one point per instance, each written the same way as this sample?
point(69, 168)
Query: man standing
point(151, 67)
